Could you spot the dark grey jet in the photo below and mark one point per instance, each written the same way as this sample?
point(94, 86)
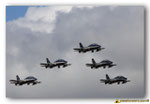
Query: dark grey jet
point(57, 63)
point(91, 48)
point(117, 79)
point(103, 64)
point(28, 80)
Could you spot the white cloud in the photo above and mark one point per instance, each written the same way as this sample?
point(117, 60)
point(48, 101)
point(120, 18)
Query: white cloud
point(42, 19)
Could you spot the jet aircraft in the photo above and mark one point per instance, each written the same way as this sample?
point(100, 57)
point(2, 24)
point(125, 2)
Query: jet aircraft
point(28, 80)
point(91, 48)
point(57, 63)
point(117, 79)
point(103, 64)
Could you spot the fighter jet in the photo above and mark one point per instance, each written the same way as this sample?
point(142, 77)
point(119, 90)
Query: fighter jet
point(57, 63)
point(103, 64)
point(91, 48)
point(117, 79)
point(28, 80)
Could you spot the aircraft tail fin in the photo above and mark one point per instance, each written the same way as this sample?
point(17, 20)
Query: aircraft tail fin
point(17, 77)
point(93, 61)
point(48, 60)
point(107, 77)
point(80, 44)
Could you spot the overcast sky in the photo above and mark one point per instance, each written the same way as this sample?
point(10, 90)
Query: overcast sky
point(54, 31)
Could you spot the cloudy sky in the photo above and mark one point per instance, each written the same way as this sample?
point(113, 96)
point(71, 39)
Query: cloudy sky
point(53, 32)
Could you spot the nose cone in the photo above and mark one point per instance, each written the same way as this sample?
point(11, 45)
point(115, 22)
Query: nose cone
point(64, 61)
point(99, 46)
point(125, 78)
point(35, 78)
point(110, 62)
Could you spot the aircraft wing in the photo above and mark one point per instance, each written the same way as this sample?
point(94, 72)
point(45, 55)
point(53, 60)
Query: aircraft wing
point(20, 82)
point(107, 81)
point(101, 65)
point(46, 65)
point(43, 64)
point(13, 81)
point(103, 80)
point(77, 49)
point(89, 65)
point(68, 64)
point(126, 81)
point(94, 66)
point(36, 82)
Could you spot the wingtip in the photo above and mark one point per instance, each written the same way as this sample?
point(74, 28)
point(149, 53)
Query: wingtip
point(129, 80)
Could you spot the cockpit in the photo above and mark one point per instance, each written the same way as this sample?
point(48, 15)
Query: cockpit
point(106, 61)
point(94, 45)
point(30, 78)
point(60, 60)
point(120, 78)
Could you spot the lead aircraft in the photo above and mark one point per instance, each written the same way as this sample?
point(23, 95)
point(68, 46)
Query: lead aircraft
point(91, 48)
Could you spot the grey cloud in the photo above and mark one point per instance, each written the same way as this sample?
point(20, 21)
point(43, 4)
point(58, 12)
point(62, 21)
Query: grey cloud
point(120, 31)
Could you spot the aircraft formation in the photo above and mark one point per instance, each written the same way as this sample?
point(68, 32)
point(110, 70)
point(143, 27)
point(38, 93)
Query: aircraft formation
point(63, 63)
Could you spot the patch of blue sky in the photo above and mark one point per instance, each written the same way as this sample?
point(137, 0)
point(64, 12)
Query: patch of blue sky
point(14, 12)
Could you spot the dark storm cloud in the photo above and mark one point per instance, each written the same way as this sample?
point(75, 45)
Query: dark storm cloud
point(120, 30)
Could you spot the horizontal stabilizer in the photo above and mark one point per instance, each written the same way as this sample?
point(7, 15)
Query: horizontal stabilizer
point(43, 64)
point(76, 49)
point(89, 64)
point(103, 80)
